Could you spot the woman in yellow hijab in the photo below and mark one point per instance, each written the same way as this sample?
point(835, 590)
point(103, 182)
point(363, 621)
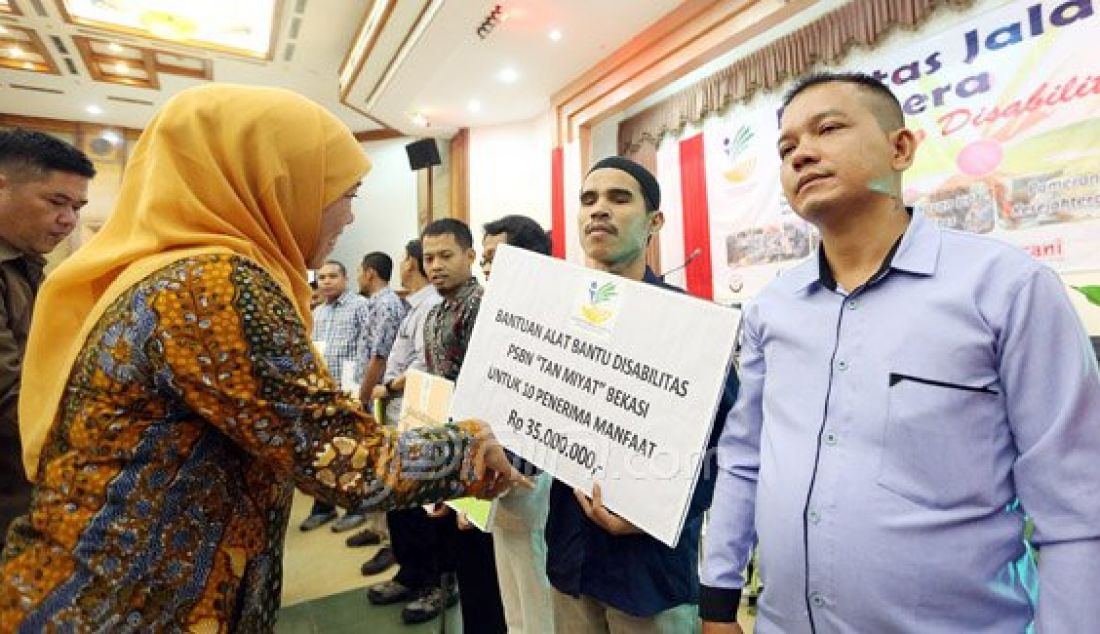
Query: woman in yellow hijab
point(171, 397)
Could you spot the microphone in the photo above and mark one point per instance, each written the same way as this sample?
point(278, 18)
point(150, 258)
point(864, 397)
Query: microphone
point(691, 258)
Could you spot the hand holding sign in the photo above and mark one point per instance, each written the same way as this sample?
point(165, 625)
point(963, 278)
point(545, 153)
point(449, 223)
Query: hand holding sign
point(593, 507)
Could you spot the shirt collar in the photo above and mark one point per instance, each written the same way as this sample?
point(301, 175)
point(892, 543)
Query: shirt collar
point(8, 253)
point(386, 291)
point(421, 296)
point(916, 251)
point(919, 250)
point(345, 296)
point(464, 291)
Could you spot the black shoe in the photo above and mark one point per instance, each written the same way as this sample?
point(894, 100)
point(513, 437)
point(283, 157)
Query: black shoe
point(381, 562)
point(390, 592)
point(365, 537)
point(316, 520)
point(430, 605)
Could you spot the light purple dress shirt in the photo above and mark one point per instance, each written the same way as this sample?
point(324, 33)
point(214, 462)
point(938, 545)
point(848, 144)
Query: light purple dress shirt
point(408, 347)
point(886, 444)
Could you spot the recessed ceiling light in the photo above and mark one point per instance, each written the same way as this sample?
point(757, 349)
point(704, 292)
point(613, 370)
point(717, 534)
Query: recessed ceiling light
point(93, 110)
point(28, 65)
point(112, 137)
point(121, 68)
point(474, 105)
point(15, 51)
point(555, 35)
point(420, 120)
point(508, 75)
point(115, 47)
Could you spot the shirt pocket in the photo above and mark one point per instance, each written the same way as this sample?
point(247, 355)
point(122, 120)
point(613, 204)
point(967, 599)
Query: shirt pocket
point(938, 445)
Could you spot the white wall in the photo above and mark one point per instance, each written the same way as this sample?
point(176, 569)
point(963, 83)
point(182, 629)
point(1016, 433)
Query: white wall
point(510, 172)
point(605, 138)
point(385, 211)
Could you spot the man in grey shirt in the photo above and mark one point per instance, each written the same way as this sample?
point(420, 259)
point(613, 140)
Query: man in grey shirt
point(407, 352)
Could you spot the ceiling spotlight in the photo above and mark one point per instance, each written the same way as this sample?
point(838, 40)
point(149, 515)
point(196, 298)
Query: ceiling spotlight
point(121, 68)
point(474, 105)
point(420, 120)
point(495, 17)
point(28, 66)
point(508, 75)
point(15, 51)
point(555, 35)
point(93, 110)
point(112, 137)
point(115, 47)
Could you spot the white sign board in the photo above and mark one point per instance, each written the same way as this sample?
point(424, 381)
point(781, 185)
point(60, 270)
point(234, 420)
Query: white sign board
point(596, 378)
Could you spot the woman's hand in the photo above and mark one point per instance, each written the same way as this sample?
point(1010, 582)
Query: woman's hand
point(491, 465)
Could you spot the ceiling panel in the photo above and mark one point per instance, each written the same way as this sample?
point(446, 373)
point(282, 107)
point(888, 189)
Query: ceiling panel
point(242, 26)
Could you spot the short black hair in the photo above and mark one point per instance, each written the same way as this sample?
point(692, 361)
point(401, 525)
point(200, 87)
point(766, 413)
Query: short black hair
point(522, 232)
point(450, 226)
point(887, 108)
point(416, 252)
point(30, 151)
point(380, 263)
point(338, 264)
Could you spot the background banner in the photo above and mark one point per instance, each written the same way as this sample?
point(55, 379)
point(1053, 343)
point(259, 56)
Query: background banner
point(1006, 103)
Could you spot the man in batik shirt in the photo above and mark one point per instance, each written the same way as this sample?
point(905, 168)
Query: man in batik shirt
point(448, 258)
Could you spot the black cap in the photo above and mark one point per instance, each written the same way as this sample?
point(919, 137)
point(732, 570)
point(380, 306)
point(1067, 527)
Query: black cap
point(651, 191)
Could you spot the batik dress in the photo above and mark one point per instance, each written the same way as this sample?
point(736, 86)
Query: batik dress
point(164, 487)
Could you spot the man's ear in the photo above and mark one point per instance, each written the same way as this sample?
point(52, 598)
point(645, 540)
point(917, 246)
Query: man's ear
point(905, 149)
point(656, 221)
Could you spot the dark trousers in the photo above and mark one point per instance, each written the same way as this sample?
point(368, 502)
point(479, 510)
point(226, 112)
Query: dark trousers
point(415, 544)
point(476, 570)
point(320, 507)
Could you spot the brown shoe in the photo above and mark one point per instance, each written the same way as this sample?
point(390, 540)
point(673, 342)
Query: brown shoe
point(365, 537)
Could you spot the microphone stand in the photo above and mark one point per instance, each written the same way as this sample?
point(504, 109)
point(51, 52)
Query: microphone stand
point(691, 258)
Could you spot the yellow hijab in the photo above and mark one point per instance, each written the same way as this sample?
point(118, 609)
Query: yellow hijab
point(221, 169)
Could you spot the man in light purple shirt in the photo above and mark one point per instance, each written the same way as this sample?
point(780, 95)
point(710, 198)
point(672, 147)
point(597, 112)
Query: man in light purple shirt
point(906, 397)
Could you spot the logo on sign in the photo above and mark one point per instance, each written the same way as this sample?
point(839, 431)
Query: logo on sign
point(598, 307)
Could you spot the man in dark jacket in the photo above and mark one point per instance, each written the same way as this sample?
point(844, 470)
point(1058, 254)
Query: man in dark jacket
point(610, 577)
point(43, 185)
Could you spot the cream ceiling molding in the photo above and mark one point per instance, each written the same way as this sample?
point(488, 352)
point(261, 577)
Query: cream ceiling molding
point(138, 66)
point(389, 31)
point(22, 49)
point(365, 38)
point(422, 22)
point(241, 27)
